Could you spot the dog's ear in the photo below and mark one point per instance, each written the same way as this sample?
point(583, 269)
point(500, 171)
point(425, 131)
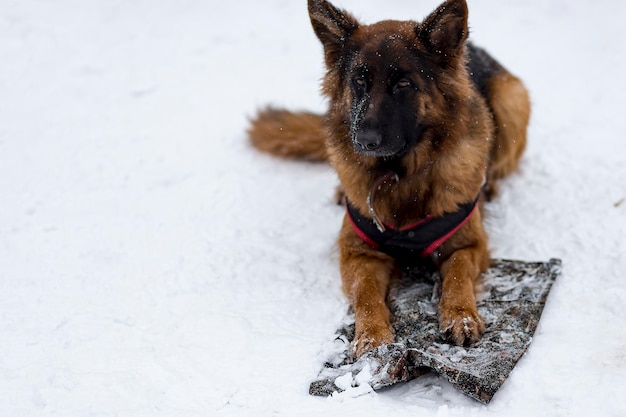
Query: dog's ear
point(445, 30)
point(332, 26)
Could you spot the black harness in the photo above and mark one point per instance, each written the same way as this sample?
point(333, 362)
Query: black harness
point(421, 238)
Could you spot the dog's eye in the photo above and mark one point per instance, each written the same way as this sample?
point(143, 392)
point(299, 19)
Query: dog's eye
point(403, 83)
point(359, 81)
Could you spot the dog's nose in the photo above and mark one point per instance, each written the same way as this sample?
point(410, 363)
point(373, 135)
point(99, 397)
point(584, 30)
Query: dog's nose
point(369, 139)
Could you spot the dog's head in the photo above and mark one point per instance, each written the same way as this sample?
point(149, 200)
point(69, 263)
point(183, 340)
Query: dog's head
point(389, 80)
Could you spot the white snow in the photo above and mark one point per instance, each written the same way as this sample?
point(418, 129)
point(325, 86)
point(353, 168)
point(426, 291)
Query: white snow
point(152, 263)
point(344, 382)
point(353, 386)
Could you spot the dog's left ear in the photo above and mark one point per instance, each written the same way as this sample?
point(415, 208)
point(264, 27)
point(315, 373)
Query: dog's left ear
point(445, 30)
point(332, 26)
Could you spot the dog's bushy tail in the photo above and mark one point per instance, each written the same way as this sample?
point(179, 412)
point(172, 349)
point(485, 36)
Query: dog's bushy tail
point(299, 135)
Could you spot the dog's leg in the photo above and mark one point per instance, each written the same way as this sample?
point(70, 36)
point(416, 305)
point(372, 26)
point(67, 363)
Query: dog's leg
point(365, 275)
point(340, 195)
point(458, 316)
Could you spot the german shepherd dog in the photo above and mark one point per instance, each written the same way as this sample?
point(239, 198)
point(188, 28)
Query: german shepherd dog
point(420, 125)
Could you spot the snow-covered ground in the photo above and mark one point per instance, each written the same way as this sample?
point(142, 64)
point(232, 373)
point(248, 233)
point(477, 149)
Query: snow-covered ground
point(152, 263)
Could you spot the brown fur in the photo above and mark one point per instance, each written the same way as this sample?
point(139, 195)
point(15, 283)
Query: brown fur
point(510, 105)
point(288, 134)
point(470, 137)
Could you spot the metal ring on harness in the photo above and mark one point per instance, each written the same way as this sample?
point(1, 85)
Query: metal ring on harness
point(372, 194)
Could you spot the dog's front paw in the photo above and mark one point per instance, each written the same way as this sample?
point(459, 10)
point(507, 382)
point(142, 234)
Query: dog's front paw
point(461, 326)
point(370, 338)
